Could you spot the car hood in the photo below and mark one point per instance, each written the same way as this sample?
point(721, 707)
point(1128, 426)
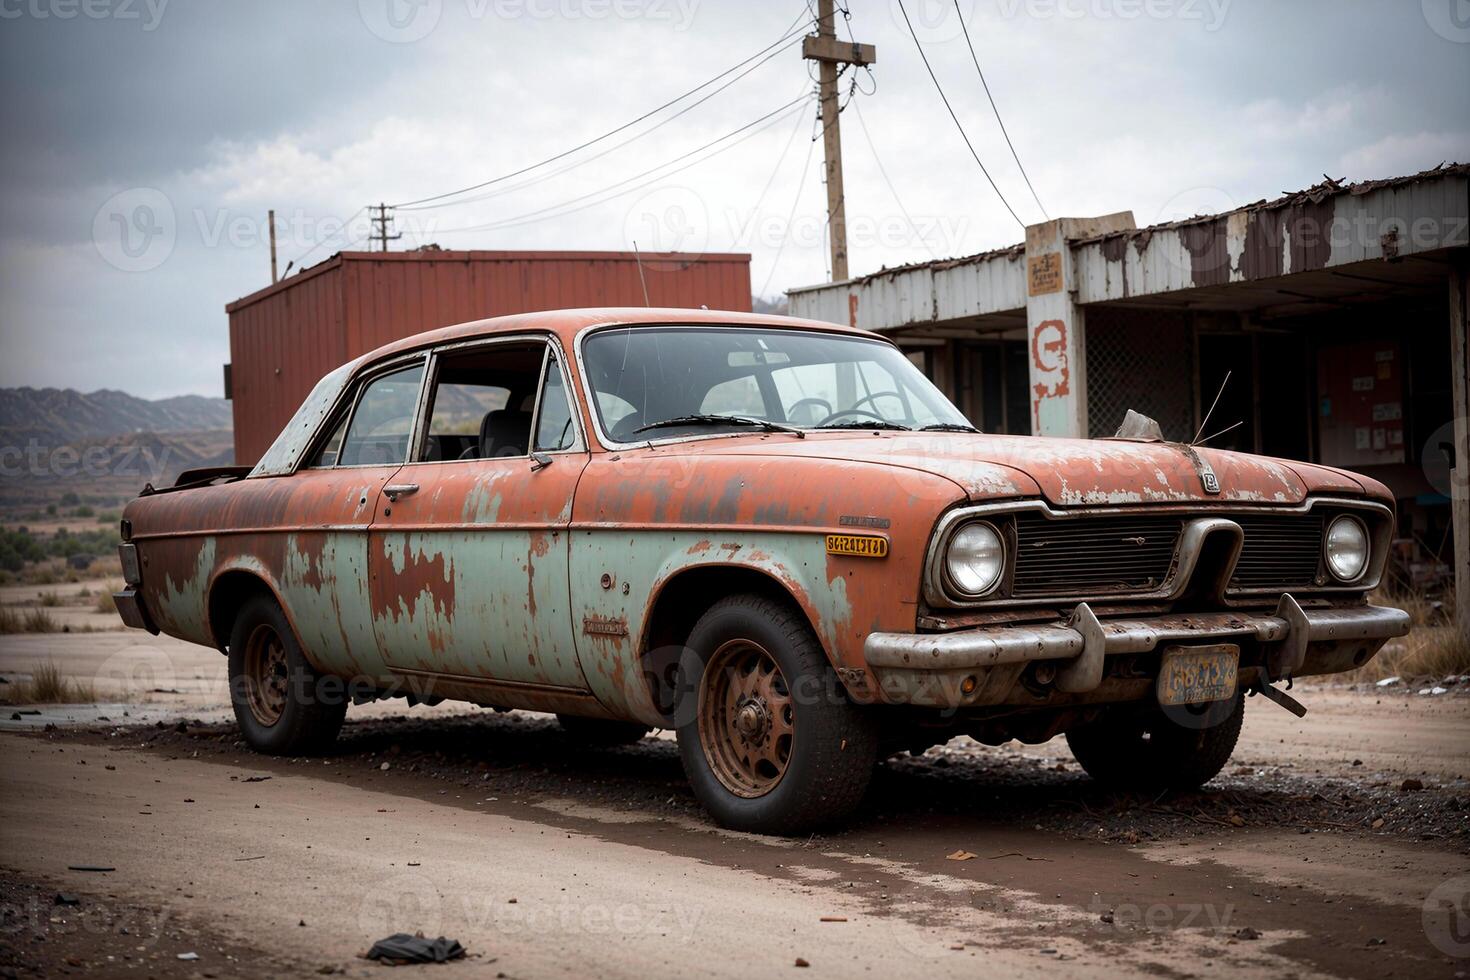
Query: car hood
point(1067, 472)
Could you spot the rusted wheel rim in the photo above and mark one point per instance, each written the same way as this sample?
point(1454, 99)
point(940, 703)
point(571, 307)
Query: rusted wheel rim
point(265, 675)
point(746, 718)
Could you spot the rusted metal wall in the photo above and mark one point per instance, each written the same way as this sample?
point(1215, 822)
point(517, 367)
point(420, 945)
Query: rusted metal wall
point(283, 338)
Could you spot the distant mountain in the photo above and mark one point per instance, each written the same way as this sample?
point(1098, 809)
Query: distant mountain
point(62, 416)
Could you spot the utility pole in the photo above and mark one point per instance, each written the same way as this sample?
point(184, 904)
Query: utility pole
point(382, 220)
point(828, 52)
point(272, 221)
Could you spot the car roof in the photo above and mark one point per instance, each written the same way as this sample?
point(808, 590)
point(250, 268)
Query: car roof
point(567, 324)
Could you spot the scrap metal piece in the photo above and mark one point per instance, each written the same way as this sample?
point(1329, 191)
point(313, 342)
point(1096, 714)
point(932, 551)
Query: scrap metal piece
point(1288, 658)
point(1280, 697)
point(1140, 428)
point(1085, 672)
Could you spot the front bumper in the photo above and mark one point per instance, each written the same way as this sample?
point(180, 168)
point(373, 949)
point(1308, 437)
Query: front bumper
point(981, 666)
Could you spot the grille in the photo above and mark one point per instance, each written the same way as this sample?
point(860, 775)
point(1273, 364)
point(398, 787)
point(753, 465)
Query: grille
point(1280, 552)
point(1095, 555)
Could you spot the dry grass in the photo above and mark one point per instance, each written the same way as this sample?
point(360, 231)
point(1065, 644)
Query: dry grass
point(34, 620)
point(50, 599)
point(103, 602)
point(47, 686)
point(1434, 648)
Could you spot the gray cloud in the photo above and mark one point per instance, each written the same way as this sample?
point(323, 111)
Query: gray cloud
point(315, 109)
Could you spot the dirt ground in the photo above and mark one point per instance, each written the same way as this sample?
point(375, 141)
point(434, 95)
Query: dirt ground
point(1314, 854)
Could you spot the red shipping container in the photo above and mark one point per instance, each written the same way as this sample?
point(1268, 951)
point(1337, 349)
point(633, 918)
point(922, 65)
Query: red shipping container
point(285, 337)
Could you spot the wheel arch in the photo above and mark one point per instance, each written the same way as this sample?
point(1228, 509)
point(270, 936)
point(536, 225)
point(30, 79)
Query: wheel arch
point(229, 590)
point(678, 601)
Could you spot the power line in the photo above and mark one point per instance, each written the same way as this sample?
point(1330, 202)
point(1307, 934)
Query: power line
point(597, 156)
point(963, 135)
point(994, 109)
point(300, 260)
point(787, 36)
point(883, 172)
point(754, 126)
point(790, 217)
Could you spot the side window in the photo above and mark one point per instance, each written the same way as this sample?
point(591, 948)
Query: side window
point(383, 420)
point(482, 401)
point(554, 429)
point(327, 455)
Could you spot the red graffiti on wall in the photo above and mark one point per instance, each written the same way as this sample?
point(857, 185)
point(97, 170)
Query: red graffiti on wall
point(1049, 359)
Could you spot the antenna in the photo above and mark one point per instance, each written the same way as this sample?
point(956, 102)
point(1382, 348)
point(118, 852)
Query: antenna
point(1201, 442)
point(641, 281)
point(1205, 421)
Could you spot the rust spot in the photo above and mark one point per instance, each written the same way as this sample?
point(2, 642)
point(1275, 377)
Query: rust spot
point(1209, 256)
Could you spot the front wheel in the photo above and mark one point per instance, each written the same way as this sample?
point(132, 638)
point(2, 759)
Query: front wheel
point(280, 703)
point(772, 743)
point(1180, 748)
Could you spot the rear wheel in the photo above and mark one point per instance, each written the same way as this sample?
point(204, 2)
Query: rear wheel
point(280, 702)
point(1151, 750)
point(601, 731)
point(772, 744)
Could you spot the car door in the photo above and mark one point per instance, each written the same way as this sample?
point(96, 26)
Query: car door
point(468, 554)
point(326, 508)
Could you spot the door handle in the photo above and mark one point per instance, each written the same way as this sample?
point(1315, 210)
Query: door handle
point(395, 490)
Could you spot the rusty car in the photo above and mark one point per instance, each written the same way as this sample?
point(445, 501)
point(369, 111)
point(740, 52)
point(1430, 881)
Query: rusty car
point(774, 537)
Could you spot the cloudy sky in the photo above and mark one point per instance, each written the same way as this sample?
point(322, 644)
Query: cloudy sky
point(144, 140)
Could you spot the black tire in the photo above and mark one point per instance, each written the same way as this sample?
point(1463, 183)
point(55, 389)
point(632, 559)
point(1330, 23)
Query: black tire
point(1153, 750)
point(601, 732)
point(830, 744)
point(310, 707)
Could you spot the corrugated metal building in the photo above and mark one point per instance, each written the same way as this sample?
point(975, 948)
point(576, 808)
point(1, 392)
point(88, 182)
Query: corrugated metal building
point(1339, 313)
point(285, 337)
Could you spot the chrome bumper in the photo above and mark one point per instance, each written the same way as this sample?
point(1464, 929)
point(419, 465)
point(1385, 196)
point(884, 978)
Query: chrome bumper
point(1084, 641)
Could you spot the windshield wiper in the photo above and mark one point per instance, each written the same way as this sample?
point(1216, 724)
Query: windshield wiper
point(868, 424)
point(737, 420)
point(948, 427)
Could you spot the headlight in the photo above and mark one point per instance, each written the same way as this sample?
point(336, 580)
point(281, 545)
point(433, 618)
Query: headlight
point(975, 560)
point(1346, 548)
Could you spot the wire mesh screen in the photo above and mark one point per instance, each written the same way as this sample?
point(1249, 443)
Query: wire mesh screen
point(1143, 360)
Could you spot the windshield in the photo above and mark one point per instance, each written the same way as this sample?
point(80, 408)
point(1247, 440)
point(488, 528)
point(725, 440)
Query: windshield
point(657, 382)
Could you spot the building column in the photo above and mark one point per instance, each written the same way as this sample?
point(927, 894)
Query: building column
point(1460, 477)
point(1054, 328)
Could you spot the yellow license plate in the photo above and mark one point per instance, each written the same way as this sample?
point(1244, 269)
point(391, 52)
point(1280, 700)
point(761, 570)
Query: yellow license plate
point(857, 545)
point(1194, 675)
